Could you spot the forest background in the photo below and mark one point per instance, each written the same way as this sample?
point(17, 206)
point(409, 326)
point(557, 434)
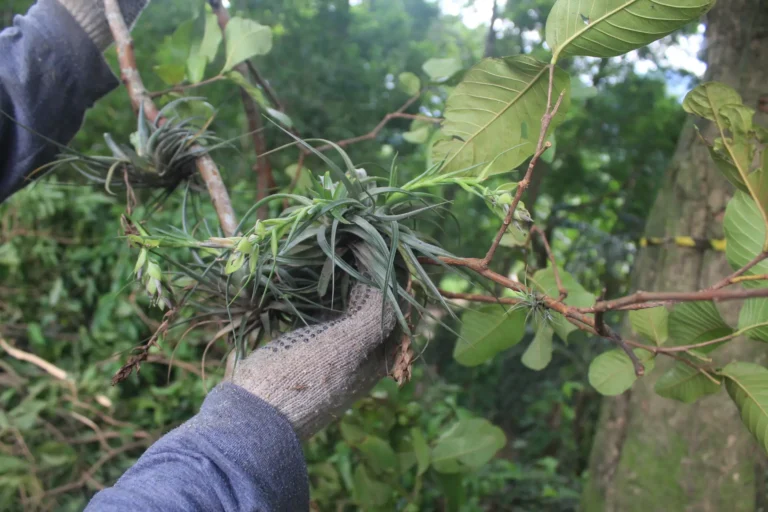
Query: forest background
point(67, 292)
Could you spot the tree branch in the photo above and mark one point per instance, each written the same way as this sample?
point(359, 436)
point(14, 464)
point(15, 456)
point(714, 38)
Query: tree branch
point(139, 97)
point(541, 147)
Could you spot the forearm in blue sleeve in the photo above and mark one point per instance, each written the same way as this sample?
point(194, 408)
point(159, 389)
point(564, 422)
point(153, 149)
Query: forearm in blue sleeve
point(237, 454)
point(50, 74)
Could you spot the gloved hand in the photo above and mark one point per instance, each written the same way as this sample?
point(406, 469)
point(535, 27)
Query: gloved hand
point(314, 374)
point(90, 15)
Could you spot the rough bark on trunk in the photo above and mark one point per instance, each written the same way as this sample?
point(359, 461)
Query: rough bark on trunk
point(651, 453)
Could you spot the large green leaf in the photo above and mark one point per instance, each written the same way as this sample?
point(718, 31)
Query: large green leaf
point(409, 83)
point(203, 49)
point(493, 117)
point(650, 323)
point(754, 313)
point(577, 297)
point(469, 444)
point(245, 39)
point(539, 353)
point(607, 28)
point(697, 322)
point(686, 384)
point(744, 234)
point(612, 373)
point(747, 384)
point(486, 331)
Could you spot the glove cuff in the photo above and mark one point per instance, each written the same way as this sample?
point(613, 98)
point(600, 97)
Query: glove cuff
point(90, 15)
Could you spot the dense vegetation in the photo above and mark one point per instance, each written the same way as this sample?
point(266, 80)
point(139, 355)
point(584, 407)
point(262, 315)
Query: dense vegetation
point(333, 70)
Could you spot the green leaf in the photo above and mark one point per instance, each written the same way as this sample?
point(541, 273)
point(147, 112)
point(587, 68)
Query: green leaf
point(608, 28)
point(305, 180)
point(378, 454)
point(369, 491)
point(280, 117)
point(744, 234)
point(245, 39)
point(441, 69)
point(235, 262)
point(253, 91)
point(171, 74)
point(651, 324)
point(697, 322)
point(172, 54)
point(409, 83)
point(754, 312)
point(747, 385)
point(577, 296)
point(706, 100)
point(612, 373)
point(685, 384)
point(539, 353)
point(421, 449)
point(485, 114)
point(469, 444)
point(419, 132)
point(486, 331)
point(203, 49)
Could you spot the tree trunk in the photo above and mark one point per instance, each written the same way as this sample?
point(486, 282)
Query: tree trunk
point(651, 453)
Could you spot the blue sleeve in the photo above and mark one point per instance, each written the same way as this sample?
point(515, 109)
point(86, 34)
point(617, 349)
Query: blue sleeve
point(50, 74)
point(237, 453)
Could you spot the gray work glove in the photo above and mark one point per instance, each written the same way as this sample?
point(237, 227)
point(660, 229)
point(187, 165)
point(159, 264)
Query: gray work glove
point(90, 15)
point(314, 374)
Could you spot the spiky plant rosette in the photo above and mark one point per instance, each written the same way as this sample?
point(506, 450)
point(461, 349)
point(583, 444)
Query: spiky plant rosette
point(296, 269)
point(159, 155)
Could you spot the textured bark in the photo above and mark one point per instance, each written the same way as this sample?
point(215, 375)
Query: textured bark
point(655, 454)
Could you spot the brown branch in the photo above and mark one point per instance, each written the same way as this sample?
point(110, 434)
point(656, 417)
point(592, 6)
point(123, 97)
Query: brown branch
point(639, 298)
point(541, 147)
point(548, 249)
point(399, 113)
point(474, 297)
point(733, 278)
point(139, 97)
point(271, 95)
point(41, 363)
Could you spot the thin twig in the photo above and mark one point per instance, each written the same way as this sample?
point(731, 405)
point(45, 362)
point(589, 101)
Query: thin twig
point(139, 97)
point(640, 298)
point(41, 363)
point(399, 113)
point(731, 279)
point(541, 147)
point(474, 297)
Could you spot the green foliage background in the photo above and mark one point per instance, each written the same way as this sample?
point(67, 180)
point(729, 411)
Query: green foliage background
point(67, 292)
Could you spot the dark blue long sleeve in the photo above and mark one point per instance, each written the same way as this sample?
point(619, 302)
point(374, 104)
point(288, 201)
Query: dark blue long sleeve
point(50, 74)
point(237, 454)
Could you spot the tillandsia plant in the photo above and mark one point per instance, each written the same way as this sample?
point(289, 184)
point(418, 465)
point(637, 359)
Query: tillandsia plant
point(296, 268)
point(160, 156)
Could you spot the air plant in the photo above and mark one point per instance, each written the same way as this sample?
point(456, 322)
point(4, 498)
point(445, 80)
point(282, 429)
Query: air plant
point(296, 269)
point(160, 154)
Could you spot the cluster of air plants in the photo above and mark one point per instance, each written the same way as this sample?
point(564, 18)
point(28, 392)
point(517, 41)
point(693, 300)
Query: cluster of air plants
point(296, 268)
point(161, 154)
